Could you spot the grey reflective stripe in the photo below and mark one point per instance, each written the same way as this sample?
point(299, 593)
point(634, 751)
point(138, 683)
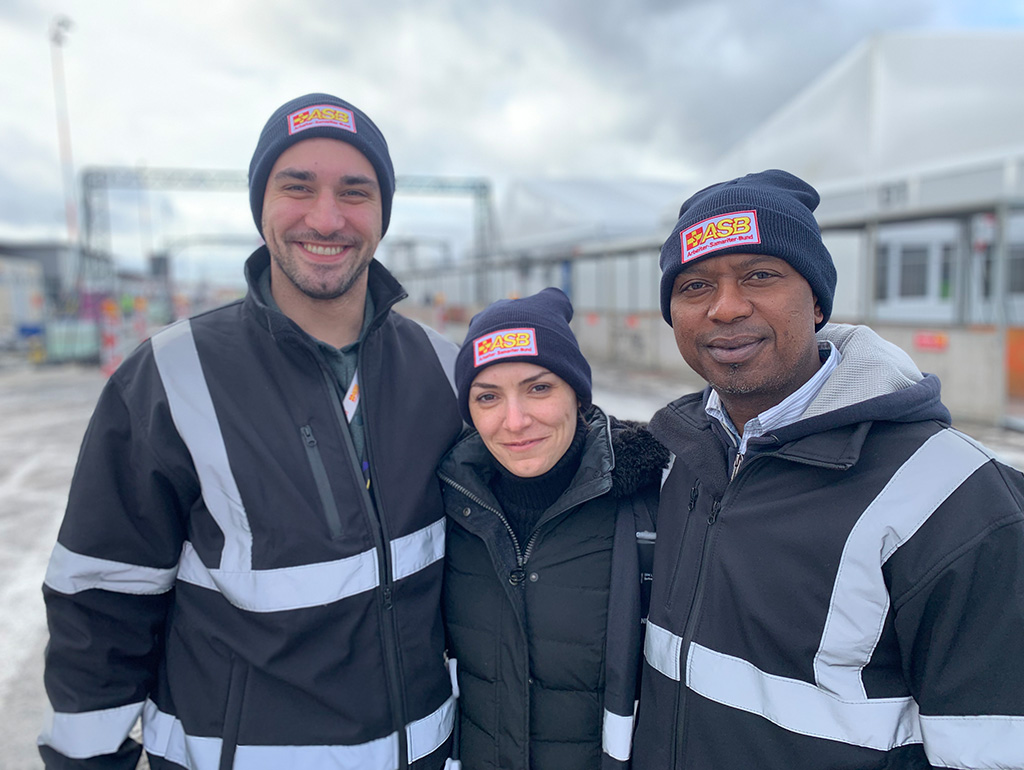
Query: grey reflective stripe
point(164, 736)
point(70, 573)
point(662, 649)
point(89, 733)
point(801, 707)
point(617, 736)
point(974, 742)
point(287, 588)
point(194, 416)
point(411, 553)
point(425, 736)
point(446, 352)
point(860, 601)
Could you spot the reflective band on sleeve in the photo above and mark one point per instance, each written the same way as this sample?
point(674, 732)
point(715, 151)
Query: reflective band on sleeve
point(446, 352)
point(164, 736)
point(417, 551)
point(70, 573)
point(880, 723)
point(974, 742)
point(89, 733)
point(662, 649)
point(426, 735)
point(286, 588)
point(617, 736)
point(196, 420)
point(860, 600)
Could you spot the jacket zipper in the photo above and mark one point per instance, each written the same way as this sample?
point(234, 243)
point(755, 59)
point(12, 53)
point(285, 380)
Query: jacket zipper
point(520, 558)
point(392, 666)
point(323, 484)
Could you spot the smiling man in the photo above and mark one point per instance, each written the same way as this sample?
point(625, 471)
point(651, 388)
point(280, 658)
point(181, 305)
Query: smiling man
point(839, 575)
point(251, 557)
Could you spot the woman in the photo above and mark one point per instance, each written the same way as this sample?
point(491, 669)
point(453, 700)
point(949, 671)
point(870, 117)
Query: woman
point(547, 500)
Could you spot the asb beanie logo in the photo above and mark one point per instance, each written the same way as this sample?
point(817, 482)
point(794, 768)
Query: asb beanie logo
point(321, 115)
point(502, 344)
point(722, 232)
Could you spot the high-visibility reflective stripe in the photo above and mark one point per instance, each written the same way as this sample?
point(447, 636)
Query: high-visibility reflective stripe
point(446, 352)
point(426, 735)
point(163, 735)
point(662, 649)
point(70, 573)
point(800, 707)
point(860, 600)
point(974, 742)
point(617, 736)
point(286, 588)
point(196, 420)
point(417, 551)
point(89, 733)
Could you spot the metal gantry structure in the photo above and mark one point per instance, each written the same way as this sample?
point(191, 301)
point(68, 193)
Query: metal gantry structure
point(96, 183)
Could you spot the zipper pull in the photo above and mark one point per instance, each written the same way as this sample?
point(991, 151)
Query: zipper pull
point(387, 597)
point(713, 516)
point(307, 435)
point(736, 466)
point(693, 497)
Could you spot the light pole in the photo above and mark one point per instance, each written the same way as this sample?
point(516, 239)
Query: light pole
point(59, 28)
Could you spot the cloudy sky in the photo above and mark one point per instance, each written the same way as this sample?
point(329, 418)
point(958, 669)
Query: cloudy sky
point(502, 89)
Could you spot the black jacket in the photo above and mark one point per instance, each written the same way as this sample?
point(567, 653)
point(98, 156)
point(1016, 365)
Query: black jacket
point(547, 633)
point(852, 599)
point(222, 568)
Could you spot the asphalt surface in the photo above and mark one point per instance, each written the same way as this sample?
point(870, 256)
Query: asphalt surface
point(44, 412)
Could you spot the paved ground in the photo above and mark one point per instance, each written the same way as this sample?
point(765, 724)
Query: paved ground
point(43, 415)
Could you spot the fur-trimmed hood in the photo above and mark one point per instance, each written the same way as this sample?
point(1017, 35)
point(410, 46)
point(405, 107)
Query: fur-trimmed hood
point(639, 457)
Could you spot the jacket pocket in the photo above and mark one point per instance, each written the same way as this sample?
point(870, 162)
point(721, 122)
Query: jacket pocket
point(233, 713)
point(323, 484)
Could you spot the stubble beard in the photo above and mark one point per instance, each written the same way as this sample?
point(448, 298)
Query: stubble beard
point(323, 282)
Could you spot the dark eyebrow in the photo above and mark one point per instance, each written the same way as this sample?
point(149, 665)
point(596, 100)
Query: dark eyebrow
point(294, 173)
point(348, 180)
point(527, 381)
point(358, 179)
point(699, 268)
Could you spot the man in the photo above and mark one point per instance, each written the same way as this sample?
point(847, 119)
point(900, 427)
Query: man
point(251, 554)
point(839, 575)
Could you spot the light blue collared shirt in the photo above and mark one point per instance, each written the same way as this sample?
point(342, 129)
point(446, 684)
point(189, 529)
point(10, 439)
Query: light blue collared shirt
point(786, 412)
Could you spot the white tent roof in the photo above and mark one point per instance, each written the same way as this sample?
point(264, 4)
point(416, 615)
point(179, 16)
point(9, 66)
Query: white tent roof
point(897, 101)
point(555, 212)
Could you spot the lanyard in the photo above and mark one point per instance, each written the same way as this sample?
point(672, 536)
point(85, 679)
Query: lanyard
point(352, 398)
point(350, 404)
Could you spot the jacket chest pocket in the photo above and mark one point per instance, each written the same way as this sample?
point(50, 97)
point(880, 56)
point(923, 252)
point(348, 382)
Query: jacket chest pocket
point(322, 482)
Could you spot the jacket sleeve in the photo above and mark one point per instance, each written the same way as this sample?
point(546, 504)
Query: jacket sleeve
point(108, 583)
point(961, 635)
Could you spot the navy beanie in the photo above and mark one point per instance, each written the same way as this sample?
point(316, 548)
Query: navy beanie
point(533, 329)
point(765, 213)
point(319, 115)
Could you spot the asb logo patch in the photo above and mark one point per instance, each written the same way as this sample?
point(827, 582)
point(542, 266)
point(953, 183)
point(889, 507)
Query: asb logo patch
point(321, 115)
point(502, 344)
point(724, 231)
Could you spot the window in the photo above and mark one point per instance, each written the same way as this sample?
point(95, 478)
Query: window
point(1016, 269)
point(946, 271)
point(882, 273)
point(914, 271)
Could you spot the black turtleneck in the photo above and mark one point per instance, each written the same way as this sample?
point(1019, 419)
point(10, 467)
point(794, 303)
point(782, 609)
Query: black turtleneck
point(524, 500)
